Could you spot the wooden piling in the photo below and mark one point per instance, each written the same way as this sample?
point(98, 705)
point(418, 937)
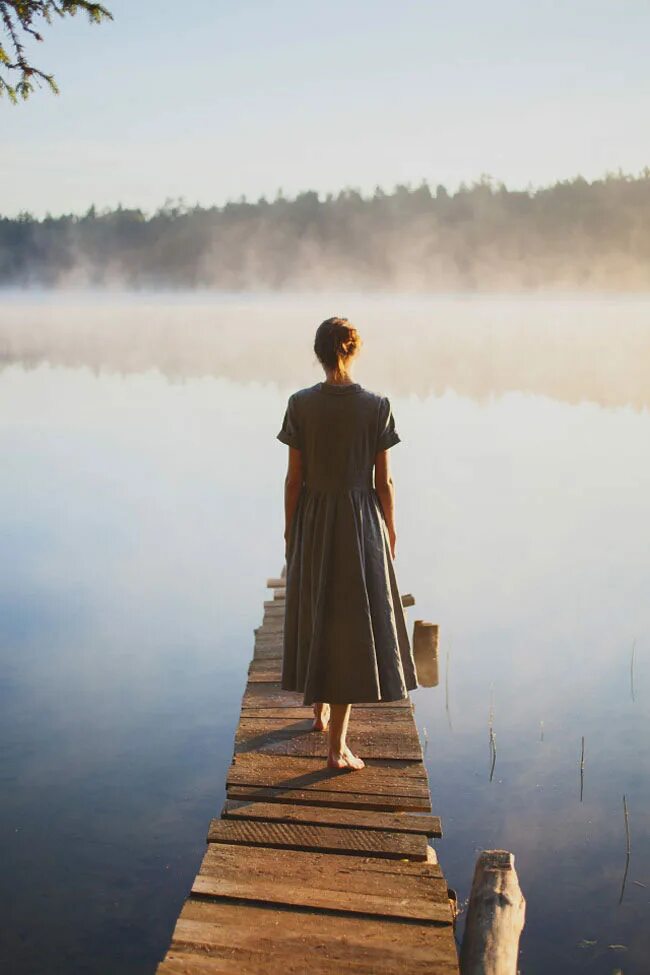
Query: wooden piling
point(495, 917)
point(425, 651)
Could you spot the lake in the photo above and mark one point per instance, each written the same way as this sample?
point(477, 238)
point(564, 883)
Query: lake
point(141, 511)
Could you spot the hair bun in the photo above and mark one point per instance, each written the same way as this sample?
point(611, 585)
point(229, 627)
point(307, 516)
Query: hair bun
point(336, 340)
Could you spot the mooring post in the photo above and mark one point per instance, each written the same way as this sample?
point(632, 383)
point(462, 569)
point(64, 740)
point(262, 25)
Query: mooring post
point(425, 651)
point(495, 917)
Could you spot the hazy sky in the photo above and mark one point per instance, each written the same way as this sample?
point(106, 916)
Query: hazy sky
point(210, 100)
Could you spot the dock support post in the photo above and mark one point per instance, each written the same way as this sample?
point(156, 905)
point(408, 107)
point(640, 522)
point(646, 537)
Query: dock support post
point(495, 917)
point(425, 652)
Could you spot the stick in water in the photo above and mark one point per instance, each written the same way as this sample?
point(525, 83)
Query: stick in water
point(628, 849)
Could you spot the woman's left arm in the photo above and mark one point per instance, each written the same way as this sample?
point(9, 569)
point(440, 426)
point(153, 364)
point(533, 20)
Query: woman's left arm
point(292, 487)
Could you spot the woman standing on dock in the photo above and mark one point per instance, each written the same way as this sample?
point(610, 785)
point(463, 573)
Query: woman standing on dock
point(345, 637)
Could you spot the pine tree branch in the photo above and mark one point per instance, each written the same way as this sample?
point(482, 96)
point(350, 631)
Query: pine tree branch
point(20, 17)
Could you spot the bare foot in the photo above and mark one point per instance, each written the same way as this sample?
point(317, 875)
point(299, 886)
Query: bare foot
point(321, 717)
point(345, 759)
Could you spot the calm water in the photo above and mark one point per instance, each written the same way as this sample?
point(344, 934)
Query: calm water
point(141, 512)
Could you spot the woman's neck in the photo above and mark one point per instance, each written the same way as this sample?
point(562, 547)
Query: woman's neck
point(338, 379)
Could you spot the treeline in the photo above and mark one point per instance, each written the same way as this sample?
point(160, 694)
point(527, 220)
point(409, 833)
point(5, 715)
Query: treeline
point(572, 235)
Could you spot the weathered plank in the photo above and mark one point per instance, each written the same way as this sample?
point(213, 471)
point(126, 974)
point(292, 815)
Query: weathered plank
point(326, 816)
point(297, 738)
point(380, 778)
point(322, 839)
point(269, 642)
point(266, 665)
point(337, 800)
point(264, 676)
point(280, 941)
point(363, 885)
point(269, 652)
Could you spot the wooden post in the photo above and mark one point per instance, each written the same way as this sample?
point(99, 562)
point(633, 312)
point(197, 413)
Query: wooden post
point(425, 651)
point(408, 599)
point(495, 917)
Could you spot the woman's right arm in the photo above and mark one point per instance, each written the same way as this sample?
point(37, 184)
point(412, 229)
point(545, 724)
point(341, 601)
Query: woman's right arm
point(385, 489)
point(292, 487)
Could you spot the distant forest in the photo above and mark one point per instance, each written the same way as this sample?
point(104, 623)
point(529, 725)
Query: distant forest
point(484, 237)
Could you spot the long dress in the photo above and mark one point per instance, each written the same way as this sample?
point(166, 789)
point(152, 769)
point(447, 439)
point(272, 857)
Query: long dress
point(345, 638)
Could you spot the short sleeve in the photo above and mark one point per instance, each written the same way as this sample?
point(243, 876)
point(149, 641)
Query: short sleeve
point(387, 435)
point(290, 432)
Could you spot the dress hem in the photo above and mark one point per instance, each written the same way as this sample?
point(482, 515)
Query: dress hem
point(364, 700)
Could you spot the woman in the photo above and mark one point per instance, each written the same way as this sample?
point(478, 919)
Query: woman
point(345, 637)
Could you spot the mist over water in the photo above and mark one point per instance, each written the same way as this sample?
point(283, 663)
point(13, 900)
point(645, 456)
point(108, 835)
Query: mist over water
point(141, 512)
point(572, 348)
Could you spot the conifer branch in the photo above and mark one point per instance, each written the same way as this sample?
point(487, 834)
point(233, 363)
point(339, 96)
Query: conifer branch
point(21, 17)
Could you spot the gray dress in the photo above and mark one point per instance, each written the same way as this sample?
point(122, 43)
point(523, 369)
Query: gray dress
point(345, 636)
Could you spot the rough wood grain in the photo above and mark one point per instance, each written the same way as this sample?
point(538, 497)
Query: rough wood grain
point(295, 942)
point(326, 816)
point(338, 800)
point(324, 839)
point(267, 655)
point(364, 885)
point(495, 917)
point(297, 738)
point(264, 677)
point(381, 778)
point(265, 664)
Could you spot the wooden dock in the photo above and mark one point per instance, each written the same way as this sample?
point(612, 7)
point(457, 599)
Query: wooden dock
point(311, 870)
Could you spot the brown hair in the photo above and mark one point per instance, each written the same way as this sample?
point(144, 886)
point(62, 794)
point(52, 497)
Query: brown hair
point(336, 341)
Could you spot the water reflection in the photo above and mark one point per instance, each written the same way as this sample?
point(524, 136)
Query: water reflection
point(571, 349)
point(139, 518)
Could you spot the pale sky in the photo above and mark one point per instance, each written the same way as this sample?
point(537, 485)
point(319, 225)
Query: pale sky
point(210, 100)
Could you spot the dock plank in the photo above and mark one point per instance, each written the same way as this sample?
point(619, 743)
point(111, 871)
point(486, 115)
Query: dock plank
point(297, 738)
point(398, 779)
point(322, 839)
point(326, 816)
point(361, 885)
point(338, 800)
point(292, 942)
